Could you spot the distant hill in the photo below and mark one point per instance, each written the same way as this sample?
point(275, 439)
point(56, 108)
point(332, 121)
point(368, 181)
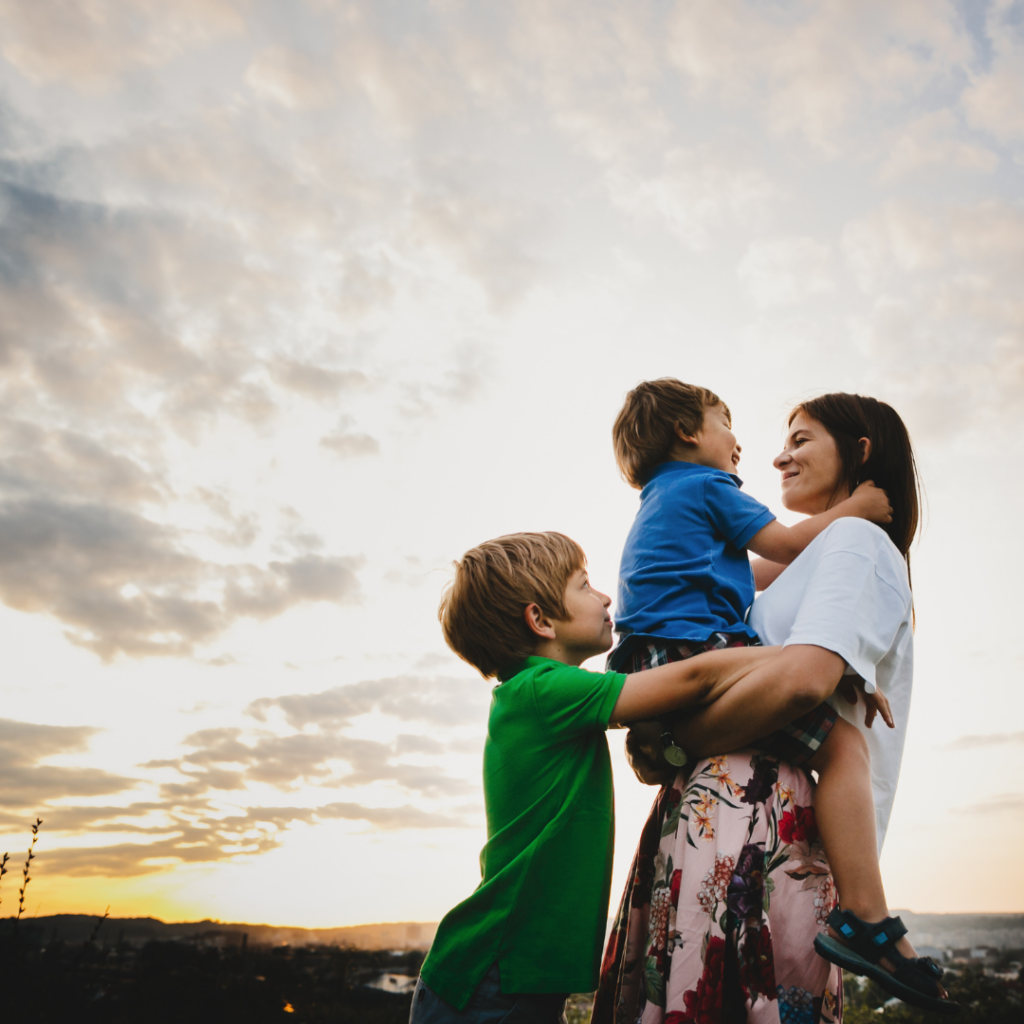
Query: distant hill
point(943, 931)
point(137, 931)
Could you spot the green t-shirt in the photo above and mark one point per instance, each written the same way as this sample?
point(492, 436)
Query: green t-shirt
point(540, 910)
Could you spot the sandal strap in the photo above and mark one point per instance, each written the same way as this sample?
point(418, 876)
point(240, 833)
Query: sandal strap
point(922, 975)
point(871, 941)
point(874, 941)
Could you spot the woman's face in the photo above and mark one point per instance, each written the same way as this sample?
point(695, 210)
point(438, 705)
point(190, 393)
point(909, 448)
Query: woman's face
point(811, 468)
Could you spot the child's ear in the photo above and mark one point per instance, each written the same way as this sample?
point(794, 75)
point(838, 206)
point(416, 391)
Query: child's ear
point(865, 449)
point(690, 439)
point(538, 623)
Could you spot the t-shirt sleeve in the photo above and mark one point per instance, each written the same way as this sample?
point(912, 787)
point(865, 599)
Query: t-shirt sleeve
point(735, 515)
point(572, 700)
point(849, 608)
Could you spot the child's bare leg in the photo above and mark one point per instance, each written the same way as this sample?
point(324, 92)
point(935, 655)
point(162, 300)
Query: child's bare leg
point(845, 811)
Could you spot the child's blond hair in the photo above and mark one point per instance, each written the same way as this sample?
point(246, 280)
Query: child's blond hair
point(646, 425)
point(481, 610)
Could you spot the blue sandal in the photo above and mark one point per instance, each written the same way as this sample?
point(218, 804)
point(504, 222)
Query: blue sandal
point(915, 980)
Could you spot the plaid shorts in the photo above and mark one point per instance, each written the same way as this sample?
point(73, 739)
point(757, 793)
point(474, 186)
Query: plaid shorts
point(795, 743)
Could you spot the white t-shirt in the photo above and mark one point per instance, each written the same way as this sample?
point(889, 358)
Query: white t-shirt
point(848, 592)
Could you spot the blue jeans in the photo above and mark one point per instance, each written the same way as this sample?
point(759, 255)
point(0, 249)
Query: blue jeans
point(488, 1005)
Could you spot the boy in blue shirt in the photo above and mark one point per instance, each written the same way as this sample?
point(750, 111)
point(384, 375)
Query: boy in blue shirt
point(521, 608)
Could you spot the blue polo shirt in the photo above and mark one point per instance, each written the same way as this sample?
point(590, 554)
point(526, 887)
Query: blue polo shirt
point(684, 573)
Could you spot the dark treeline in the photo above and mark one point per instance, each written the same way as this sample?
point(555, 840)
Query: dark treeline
point(177, 982)
point(985, 999)
point(50, 981)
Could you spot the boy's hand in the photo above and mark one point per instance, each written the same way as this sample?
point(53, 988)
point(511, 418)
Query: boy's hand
point(643, 750)
point(853, 688)
point(872, 503)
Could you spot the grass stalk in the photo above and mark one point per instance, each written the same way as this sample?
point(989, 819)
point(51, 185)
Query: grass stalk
point(26, 877)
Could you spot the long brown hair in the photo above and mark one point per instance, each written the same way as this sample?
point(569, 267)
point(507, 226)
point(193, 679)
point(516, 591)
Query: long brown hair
point(890, 464)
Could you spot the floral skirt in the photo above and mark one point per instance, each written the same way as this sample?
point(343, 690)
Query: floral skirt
point(727, 890)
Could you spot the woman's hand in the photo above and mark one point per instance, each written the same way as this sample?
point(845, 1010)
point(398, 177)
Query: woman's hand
point(643, 750)
point(852, 689)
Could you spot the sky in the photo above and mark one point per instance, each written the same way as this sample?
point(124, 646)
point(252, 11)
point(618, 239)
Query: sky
point(300, 300)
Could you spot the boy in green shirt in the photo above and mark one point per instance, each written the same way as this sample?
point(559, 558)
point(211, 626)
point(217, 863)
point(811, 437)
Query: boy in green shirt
point(521, 608)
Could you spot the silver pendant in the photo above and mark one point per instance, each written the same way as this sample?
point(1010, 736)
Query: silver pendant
point(674, 754)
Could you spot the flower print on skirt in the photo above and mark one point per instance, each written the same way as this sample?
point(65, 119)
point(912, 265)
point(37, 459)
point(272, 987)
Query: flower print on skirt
point(728, 888)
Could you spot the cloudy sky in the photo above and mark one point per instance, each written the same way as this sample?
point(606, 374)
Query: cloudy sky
point(300, 299)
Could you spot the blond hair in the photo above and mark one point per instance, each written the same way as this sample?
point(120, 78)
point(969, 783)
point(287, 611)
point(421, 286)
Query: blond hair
point(646, 425)
point(481, 610)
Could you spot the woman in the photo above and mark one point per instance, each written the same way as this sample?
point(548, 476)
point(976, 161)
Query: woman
point(730, 886)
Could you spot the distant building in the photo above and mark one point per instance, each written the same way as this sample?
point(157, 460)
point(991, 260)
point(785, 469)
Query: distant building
point(219, 940)
point(973, 954)
point(397, 984)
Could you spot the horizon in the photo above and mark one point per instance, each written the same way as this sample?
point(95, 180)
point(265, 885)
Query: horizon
point(299, 302)
point(384, 924)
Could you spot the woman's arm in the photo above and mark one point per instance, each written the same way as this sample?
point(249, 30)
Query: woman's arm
point(768, 697)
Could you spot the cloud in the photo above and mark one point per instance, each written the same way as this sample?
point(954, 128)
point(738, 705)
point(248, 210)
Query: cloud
point(123, 584)
point(347, 443)
point(785, 271)
point(294, 79)
point(108, 308)
point(934, 276)
point(37, 461)
point(994, 100)
point(432, 700)
point(223, 837)
point(818, 70)
point(696, 191)
point(935, 140)
point(489, 237)
point(315, 381)
point(320, 752)
point(388, 819)
point(1012, 803)
point(184, 825)
point(92, 44)
point(27, 783)
point(984, 742)
point(231, 759)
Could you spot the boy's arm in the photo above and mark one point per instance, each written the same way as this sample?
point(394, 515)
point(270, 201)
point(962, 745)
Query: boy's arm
point(780, 543)
point(768, 697)
point(692, 683)
point(765, 571)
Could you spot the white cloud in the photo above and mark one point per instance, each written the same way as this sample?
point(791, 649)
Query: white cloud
point(696, 191)
point(933, 140)
point(816, 69)
point(294, 79)
point(994, 99)
point(785, 271)
point(946, 314)
point(91, 44)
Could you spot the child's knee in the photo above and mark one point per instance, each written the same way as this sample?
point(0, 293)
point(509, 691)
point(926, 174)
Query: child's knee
point(845, 745)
